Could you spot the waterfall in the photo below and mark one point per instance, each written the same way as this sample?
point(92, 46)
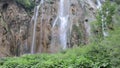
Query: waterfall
point(63, 15)
point(61, 22)
point(36, 12)
point(63, 32)
point(99, 4)
point(104, 24)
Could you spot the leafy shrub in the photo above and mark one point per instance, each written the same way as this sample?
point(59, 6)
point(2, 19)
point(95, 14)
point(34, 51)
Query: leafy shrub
point(104, 18)
point(10, 64)
point(82, 62)
point(2, 61)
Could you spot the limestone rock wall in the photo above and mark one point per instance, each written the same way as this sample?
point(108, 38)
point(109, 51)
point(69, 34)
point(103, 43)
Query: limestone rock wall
point(16, 26)
point(14, 23)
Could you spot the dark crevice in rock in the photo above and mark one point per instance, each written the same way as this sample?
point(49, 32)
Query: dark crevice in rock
point(5, 6)
point(86, 20)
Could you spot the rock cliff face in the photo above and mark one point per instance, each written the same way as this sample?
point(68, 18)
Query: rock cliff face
point(16, 26)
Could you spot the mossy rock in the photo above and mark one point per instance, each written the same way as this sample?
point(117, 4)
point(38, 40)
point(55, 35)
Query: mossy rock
point(27, 4)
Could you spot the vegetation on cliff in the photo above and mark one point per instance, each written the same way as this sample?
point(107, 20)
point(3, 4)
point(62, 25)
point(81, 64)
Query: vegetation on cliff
point(27, 4)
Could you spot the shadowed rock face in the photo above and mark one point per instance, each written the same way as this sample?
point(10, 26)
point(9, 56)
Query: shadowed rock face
point(16, 27)
point(14, 23)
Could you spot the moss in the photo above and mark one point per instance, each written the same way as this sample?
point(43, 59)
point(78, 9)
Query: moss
point(27, 4)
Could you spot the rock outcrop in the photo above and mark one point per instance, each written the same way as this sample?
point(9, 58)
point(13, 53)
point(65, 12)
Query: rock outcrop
point(14, 22)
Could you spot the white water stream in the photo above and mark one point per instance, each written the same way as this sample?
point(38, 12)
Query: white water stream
point(104, 25)
point(34, 29)
point(63, 15)
point(62, 24)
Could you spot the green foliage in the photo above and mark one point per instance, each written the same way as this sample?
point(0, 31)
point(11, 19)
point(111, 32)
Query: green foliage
point(117, 1)
point(104, 17)
point(107, 10)
point(27, 4)
point(10, 64)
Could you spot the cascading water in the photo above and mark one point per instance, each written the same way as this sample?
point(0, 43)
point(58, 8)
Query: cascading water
point(63, 32)
point(104, 25)
point(63, 16)
point(99, 4)
point(34, 29)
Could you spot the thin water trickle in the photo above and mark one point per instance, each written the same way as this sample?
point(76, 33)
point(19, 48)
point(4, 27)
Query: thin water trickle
point(99, 4)
point(36, 12)
point(104, 25)
point(54, 23)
